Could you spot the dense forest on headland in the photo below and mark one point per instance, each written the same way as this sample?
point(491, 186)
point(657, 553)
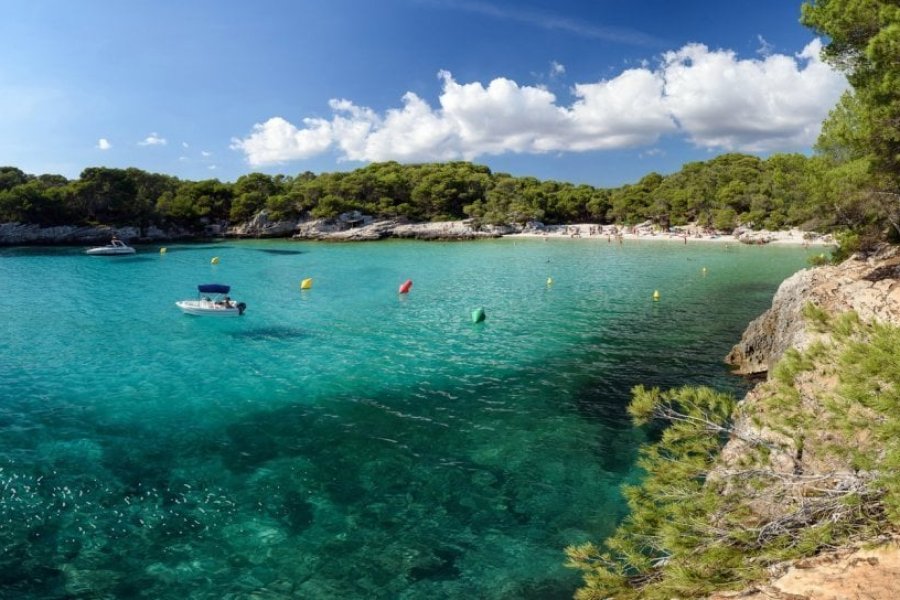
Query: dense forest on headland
point(818, 193)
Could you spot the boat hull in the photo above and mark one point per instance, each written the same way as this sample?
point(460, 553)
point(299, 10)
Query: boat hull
point(103, 251)
point(204, 308)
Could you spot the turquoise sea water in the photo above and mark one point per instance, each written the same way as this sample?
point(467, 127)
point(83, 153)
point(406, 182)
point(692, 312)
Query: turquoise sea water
point(345, 441)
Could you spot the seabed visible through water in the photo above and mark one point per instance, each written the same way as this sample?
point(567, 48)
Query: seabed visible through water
point(343, 441)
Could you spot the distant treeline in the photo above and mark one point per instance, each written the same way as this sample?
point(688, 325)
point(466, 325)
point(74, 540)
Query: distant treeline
point(727, 191)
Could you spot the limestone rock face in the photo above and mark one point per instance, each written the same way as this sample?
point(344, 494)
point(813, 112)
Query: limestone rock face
point(798, 429)
point(261, 226)
point(869, 286)
point(781, 327)
point(18, 234)
point(369, 229)
point(854, 572)
point(350, 226)
point(21, 234)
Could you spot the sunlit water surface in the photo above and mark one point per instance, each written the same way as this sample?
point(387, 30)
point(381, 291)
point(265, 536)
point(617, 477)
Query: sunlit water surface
point(345, 441)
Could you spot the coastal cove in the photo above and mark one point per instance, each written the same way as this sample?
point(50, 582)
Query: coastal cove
point(344, 441)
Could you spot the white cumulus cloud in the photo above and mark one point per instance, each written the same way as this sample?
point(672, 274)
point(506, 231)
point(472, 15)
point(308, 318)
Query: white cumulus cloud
point(711, 97)
point(502, 117)
point(277, 141)
point(775, 103)
point(103, 144)
point(153, 140)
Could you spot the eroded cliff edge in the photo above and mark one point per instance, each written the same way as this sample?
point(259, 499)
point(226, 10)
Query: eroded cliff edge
point(869, 286)
point(805, 451)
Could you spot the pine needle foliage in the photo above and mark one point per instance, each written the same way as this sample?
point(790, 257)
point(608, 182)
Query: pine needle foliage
point(827, 472)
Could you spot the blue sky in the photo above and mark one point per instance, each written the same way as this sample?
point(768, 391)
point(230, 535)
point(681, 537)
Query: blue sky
point(598, 92)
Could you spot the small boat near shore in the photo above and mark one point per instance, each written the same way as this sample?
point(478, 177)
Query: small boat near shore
point(115, 247)
point(212, 301)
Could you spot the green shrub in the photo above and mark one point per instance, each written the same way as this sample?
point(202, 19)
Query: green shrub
point(688, 535)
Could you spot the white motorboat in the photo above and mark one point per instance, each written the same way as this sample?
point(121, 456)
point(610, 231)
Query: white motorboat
point(213, 301)
point(113, 248)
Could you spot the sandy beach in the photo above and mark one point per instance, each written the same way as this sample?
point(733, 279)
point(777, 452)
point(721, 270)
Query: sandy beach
point(689, 235)
point(372, 229)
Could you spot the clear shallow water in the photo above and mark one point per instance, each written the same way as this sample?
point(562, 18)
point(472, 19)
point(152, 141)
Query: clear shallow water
point(342, 442)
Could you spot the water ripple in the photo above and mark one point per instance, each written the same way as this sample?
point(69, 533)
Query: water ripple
point(345, 441)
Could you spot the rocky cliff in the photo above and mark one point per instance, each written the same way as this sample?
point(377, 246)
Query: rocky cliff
point(21, 234)
point(869, 286)
point(357, 227)
point(808, 446)
point(376, 230)
point(338, 230)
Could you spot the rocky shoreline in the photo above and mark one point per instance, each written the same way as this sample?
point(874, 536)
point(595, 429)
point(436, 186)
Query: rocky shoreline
point(799, 454)
point(377, 230)
point(357, 227)
point(24, 234)
point(362, 229)
point(869, 286)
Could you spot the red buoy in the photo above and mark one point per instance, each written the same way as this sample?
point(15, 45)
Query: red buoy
point(406, 286)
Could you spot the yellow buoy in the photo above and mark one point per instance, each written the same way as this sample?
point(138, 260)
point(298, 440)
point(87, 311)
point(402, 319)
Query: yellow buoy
point(163, 250)
point(703, 270)
point(214, 261)
point(549, 281)
point(306, 283)
point(656, 295)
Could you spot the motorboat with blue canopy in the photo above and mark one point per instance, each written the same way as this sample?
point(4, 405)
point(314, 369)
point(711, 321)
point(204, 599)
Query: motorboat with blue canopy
point(213, 288)
point(213, 301)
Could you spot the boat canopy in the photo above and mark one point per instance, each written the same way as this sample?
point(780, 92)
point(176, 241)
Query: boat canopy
point(213, 288)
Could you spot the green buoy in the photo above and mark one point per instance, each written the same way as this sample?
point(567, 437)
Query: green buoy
point(478, 315)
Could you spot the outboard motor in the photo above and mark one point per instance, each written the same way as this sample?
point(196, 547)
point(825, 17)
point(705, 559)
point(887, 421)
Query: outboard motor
point(241, 307)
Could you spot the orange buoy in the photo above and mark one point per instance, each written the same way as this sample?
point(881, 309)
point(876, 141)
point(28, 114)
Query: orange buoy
point(406, 286)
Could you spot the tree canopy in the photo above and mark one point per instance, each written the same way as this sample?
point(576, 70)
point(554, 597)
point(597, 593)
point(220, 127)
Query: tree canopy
point(864, 43)
point(727, 191)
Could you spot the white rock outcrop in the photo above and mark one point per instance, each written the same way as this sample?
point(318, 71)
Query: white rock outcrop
point(869, 286)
